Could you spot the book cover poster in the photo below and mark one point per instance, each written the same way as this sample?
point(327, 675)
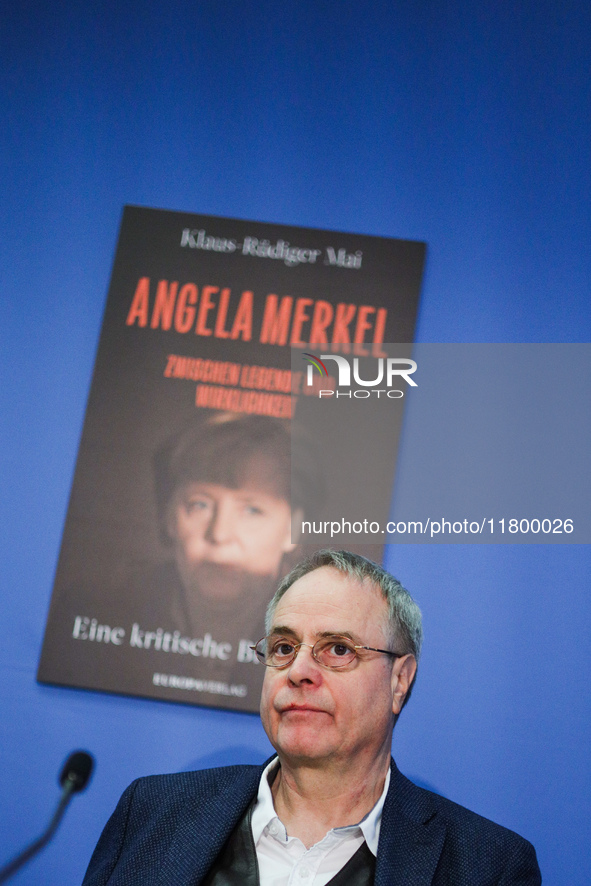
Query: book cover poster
point(179, 524)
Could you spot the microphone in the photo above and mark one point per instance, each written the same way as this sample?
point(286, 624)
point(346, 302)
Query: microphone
point(76, 771)
point(74, 777)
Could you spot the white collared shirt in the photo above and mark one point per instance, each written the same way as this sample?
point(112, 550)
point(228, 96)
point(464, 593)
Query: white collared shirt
point(285, 861)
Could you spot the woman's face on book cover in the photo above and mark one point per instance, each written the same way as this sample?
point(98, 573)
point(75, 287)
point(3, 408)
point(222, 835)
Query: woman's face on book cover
point(219, 532)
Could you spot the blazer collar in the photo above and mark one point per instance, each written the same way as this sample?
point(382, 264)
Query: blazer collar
point(411, 832)
point(198, 839)
point(411, 835)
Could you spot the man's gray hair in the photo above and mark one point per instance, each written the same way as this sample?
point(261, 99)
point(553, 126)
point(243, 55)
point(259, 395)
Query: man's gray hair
point(405, 627)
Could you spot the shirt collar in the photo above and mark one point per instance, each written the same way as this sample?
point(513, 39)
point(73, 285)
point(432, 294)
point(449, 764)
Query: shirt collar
point(264, 811)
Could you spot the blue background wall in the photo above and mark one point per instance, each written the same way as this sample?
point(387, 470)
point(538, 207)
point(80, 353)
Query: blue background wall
point(466, 126)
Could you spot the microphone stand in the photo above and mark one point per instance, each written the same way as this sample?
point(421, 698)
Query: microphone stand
point(71, 784)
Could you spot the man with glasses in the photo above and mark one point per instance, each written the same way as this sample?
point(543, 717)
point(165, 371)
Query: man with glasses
point(341, 651)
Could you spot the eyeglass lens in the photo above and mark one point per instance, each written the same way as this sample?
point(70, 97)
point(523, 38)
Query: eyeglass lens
point(332, 652)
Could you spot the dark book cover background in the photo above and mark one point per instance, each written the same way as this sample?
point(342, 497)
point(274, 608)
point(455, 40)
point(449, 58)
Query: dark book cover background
point(115, 581)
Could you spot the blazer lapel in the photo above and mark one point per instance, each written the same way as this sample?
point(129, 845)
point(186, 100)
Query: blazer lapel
point(199, 837)
point(411, 832)
point(411, 836)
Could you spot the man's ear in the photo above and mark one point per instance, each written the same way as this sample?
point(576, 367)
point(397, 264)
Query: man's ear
point(295, 530)
point(403, 673)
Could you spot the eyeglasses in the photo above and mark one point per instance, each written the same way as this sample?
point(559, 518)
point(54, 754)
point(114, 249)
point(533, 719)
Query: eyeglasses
point(331, 652)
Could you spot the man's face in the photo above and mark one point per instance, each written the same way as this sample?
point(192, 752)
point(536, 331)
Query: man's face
point(220, 534)
point(313, 714)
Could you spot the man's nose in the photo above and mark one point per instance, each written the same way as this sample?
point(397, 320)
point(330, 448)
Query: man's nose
point(221, 524)
point(304, 668)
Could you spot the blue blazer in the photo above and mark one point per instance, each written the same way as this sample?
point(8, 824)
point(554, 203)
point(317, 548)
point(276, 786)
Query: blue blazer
point(168, 829)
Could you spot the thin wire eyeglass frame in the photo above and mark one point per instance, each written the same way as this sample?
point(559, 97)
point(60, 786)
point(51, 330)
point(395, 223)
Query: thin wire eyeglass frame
point(332, 640)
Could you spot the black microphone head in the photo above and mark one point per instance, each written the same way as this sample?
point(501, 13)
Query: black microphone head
point(77, 770)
